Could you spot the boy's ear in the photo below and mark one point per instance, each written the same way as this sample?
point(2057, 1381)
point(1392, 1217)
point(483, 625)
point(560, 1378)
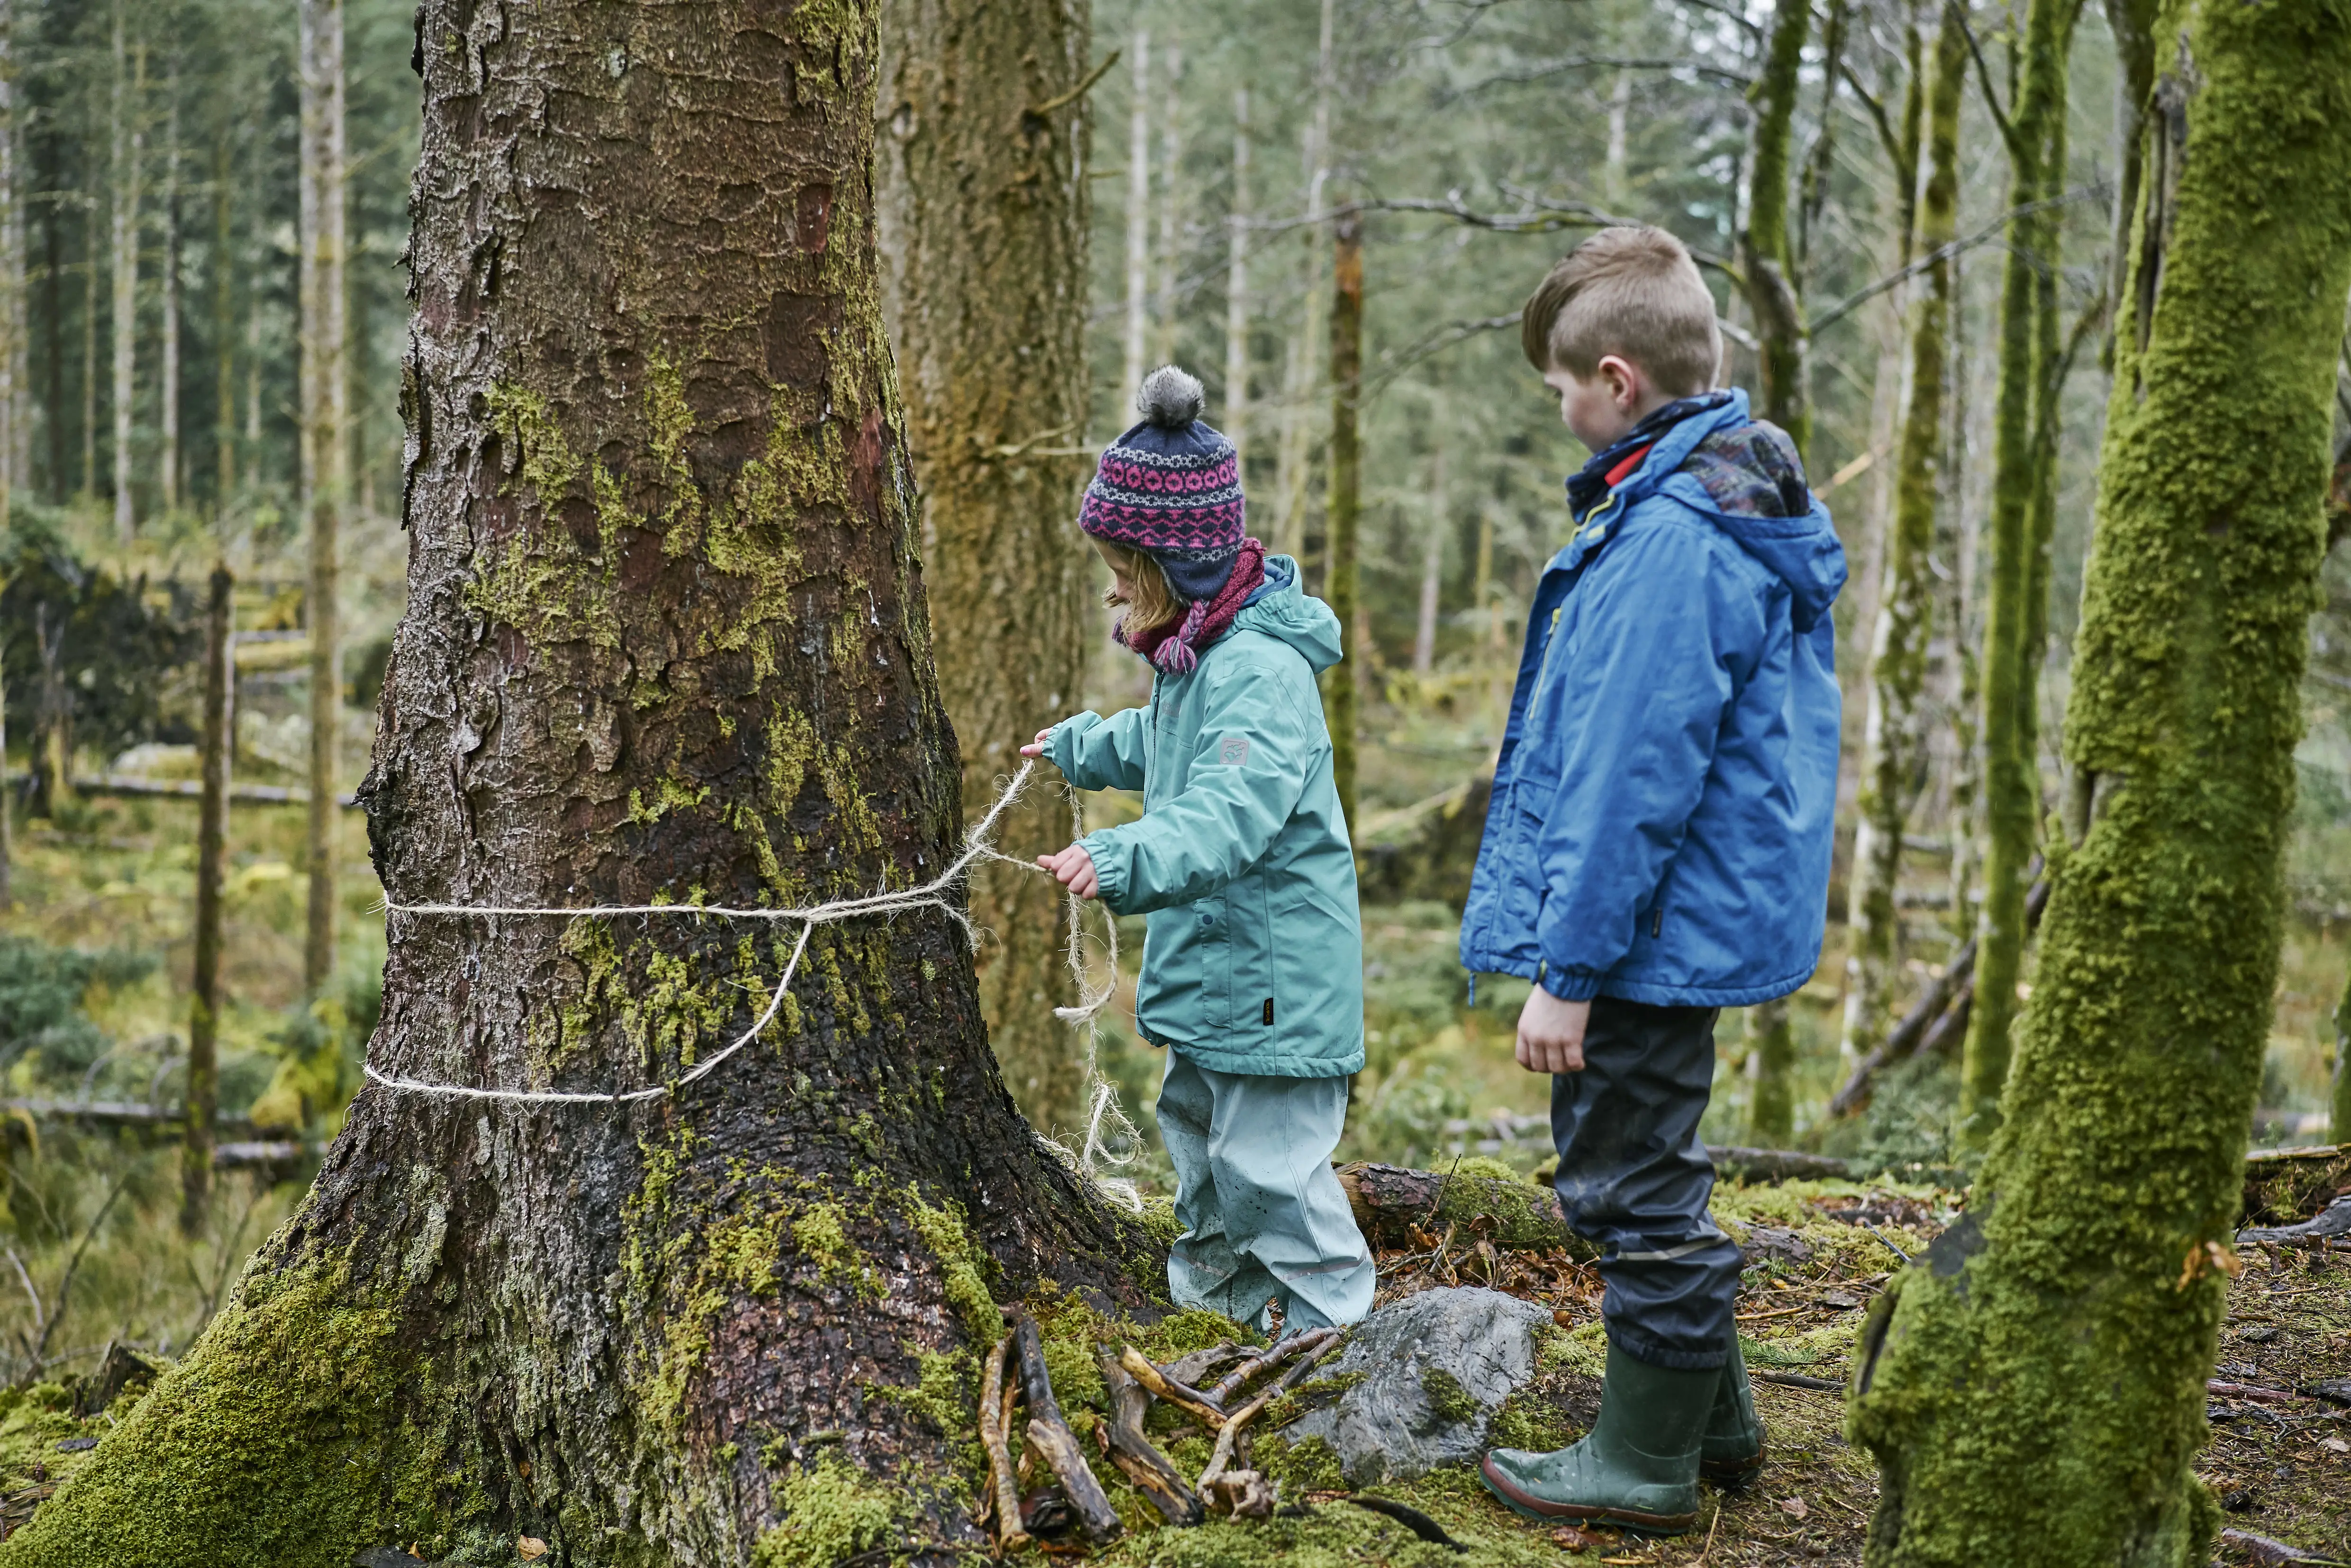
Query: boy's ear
point(1625, 380)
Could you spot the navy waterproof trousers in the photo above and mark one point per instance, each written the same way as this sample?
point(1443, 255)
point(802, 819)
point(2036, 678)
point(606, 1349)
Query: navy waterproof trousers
point(1635, 1178)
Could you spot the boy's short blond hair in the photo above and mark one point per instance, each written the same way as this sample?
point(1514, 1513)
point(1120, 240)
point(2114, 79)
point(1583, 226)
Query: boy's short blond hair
point(1632, 291)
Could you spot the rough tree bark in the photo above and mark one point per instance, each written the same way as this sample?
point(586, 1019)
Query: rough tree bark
point(212, 838)
point(326, 448)
point(1340, 577)
point(1766, 258)
point(665, 637)
point(983, 221)
point(1893, 735)
point(223, 323)
point(2012, 623)
point(2034, 1391)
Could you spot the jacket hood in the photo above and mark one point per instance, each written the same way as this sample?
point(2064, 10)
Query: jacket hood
point(1281, 608)
point(1744, 475)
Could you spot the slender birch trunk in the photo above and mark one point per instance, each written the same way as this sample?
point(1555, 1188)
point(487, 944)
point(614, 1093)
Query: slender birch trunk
point(223, 323)
point(659, 1333)
point(1765, 254)
point(212, 838)
point(1236, 296)
point(1893, 749)
point(128, 144)
point(326, 445)
point(1613, 181)
point(1138, 222)
point(1339, 580)
point(1295, 461)
point(2034, 1389)
point(2339, 1119)
point(1432, 563)
point(91, 247)
point(983, 218)
point(1171, 216)
point(2011, 623)
point(167, 397)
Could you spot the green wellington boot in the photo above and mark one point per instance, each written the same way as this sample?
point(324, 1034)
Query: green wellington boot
point(1731, 1456)
point(1637, 1468)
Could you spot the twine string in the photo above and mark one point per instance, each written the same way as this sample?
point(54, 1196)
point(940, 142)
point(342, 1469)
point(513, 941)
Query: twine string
point(1106, 1122)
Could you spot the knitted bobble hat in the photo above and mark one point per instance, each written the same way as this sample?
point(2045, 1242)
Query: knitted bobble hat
point(1170, 487)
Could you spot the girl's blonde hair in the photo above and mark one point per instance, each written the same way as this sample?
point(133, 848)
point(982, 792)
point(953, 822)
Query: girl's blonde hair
point(1154, 604)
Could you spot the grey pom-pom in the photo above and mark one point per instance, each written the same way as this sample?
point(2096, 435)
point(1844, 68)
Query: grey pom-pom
point(1170, 398)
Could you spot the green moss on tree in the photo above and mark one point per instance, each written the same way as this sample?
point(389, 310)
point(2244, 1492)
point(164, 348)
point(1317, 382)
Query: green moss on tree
point(2034, 1391)
point(832, 1512)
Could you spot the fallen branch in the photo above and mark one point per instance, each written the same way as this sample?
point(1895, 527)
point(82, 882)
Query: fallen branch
point(994, 1419)
point(2283, 1186)
point(1050, 1436)
point(1151, 1471)
point(1274, 1357)
point(1796, 1380)
point(1927, 1025)
point(2228, 1390)
point(2264, 1552)
point(2333, 1221)
point(1775, 1165)
point(1411, 1519)
point(1191, 1401)
point(1230, 1434)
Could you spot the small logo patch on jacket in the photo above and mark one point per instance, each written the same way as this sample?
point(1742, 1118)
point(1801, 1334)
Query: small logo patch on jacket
point(1234, 751)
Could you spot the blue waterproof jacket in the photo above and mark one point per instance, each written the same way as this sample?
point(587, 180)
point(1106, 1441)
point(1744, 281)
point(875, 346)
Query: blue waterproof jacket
point(1253, 960)
point(1664, 804)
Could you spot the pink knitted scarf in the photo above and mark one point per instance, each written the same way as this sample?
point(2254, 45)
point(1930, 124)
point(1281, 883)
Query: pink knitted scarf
point(1175, 649)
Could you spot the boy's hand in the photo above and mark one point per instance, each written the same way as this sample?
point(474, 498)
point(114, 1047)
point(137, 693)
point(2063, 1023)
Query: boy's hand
point(1550, 1034)
point(1037, 748)
point(1075, 868)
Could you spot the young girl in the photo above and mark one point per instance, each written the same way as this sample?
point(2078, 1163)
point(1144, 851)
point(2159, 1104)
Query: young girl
point(1253, 968)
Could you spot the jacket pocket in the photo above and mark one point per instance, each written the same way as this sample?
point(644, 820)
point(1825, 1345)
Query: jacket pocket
point(1212, 942)
point(1252, 1002)
point(1523, 884)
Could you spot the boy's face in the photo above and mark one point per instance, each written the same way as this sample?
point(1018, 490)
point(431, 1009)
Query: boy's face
point(1602, 409)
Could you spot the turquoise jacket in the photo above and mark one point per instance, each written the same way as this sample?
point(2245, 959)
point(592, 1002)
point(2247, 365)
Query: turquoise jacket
point(1254, 959)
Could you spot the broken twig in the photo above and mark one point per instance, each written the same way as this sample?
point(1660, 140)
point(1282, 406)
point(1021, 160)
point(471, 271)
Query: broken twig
point(1230, 1434)
point(1191, 1401)
point(1151, 1471)
point(994, 1419)
point(1272, 1357)
point(1050, 1436)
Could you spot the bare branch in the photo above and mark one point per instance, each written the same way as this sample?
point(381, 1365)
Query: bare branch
point(1542, 69)
point(1989, 233)
point(1956, 15)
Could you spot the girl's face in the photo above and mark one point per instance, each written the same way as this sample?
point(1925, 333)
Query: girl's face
point(1122, 590)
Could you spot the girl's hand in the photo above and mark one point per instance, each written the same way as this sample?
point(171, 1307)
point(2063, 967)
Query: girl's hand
point(1037, 748)
point(1074, 867)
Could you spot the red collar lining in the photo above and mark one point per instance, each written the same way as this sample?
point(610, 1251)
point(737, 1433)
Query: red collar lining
point(1627, 464)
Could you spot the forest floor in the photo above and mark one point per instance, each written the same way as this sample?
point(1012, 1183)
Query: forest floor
point(2282, 1468)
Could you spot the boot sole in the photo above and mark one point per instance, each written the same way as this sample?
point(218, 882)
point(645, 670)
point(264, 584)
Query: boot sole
point(1732, 1475)
point(1598, 1513)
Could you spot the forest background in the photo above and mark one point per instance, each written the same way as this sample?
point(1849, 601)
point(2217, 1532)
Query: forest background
point(167, 250)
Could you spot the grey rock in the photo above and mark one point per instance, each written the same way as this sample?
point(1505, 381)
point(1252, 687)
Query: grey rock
point(1434, 1368)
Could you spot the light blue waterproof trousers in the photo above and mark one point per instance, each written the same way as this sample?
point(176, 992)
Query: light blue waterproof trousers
point(1264, 1218)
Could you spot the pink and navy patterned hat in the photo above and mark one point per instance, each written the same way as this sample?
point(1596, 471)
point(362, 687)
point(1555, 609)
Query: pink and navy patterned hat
point(1171, 488)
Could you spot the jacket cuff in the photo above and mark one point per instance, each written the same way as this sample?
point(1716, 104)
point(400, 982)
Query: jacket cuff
point(1570, 985)
point(1062, 741)
point(1110, 855)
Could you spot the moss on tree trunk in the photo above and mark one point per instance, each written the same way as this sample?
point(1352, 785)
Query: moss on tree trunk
point(666, 639)
point(981, 196)
point(2013, 625)
point(1766, 257)
point(1907, 604)
point(2033, 1389)
point(1340, 576)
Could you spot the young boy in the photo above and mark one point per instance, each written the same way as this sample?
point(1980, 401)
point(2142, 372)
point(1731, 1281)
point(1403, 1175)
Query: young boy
point(1658, 846)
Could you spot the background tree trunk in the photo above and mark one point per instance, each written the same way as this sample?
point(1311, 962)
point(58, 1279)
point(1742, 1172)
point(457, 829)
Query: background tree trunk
point(665, 636)
point(2036, 1391)
point(1340, 578)
point(983, 222)
point(326, 448)
point(1432, 563)
point(1138, 223)
point(223, 323)
point(1907, 604)
point(167, 377)
point(1772, 1045)
point(212, 840)
point(2013, 624)
point(1171, 212)
point(129, 83)
point(15, 443)
point(1236, 296)
point(1764, 251)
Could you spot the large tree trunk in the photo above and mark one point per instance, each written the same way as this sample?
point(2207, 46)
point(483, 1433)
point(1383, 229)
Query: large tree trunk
point(1895, 734)
point(326, 450)
point(666, 638)
point(983, 219)
point(2034, 1391)
point(2014, 625)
